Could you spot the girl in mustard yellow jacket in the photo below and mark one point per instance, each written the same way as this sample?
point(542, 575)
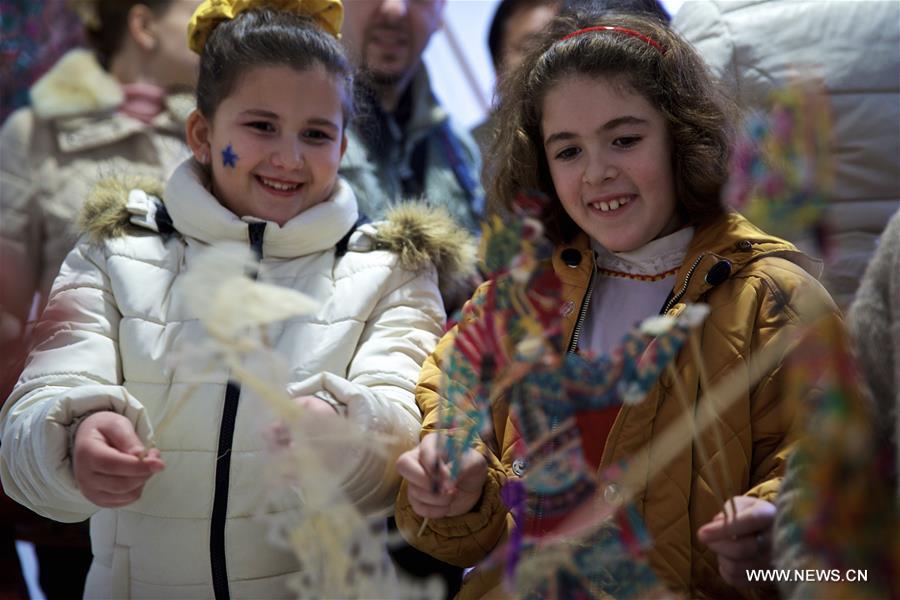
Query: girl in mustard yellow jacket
point(617, 121)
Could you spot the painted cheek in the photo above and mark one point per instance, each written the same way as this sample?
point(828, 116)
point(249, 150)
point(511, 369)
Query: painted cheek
point(229, 157)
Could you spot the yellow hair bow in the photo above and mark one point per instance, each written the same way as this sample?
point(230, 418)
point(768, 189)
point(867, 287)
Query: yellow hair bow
point(328, 14)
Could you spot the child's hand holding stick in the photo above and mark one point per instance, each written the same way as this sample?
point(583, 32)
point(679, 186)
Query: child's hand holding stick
point(431, 492)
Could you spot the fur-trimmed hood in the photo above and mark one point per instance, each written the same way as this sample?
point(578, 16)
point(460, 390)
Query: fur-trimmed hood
point(416, 232)
point(107, 214)
point(419, 233)
point(75, 85)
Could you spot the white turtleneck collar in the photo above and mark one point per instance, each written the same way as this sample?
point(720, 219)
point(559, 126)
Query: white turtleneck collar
point(197, 213)
point(629, 287)
point(658, 256)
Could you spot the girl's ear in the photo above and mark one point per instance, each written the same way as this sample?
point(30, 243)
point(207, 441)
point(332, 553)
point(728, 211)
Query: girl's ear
point(343, 144)
point(140, 23)
point(198, 131)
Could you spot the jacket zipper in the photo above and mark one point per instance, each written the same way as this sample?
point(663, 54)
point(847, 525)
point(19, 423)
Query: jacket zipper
point(219, 516)
point(684, 286)
point(582, 314)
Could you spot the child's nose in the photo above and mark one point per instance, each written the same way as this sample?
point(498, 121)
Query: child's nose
point(598, 171)
point(289, 155)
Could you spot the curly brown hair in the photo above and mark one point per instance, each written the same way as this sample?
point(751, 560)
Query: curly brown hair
point(677, 82)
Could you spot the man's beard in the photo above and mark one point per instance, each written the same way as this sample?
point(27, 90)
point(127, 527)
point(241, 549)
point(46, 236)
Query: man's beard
point(382, 79)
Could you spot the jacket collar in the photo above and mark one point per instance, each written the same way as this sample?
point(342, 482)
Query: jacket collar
point(427, 113)
point(82, 99)
point(573, 263)
point(379, 130)
point(725, 246)
point(196, 213)
point(719, 250)
point(75, 85)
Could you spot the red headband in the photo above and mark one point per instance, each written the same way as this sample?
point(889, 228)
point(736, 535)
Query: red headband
point(625, 30)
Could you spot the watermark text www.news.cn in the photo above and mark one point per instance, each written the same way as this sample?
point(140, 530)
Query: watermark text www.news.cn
point(804, 575)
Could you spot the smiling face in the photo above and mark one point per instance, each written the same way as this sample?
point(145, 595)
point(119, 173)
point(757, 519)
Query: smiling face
point(387, 37)
point(274, 144)
point(609, 154)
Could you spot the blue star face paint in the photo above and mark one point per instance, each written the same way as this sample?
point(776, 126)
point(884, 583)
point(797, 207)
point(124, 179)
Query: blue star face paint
point(229, 158)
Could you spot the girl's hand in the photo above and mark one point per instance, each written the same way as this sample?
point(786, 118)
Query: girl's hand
point(431, 493)
point(742, 542)
point(109, 460)
point(278, 434)
point(316, 406)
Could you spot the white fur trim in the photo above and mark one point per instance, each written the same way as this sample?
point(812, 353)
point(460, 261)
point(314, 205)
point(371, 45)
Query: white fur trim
point(76, 84)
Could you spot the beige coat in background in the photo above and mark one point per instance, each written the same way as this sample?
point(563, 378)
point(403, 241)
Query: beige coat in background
point(51, 154)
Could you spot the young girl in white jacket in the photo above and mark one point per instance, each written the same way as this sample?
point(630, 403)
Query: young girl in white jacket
point(274, 98)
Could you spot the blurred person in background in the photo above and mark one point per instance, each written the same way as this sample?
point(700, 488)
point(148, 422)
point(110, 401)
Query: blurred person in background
point(514, 26)
point(404, 144)
point(759, 46)
point(120, 107)
point(652, 8)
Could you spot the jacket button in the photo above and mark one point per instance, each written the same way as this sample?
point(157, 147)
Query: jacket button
point(718, 273)
point(518, 466)
point(571, 257)
point(612, 494)
point(744, 245)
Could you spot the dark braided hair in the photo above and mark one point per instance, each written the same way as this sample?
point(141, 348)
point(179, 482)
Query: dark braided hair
point(267, 37)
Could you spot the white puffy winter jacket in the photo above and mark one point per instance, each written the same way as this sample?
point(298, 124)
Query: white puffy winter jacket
point(117, 311)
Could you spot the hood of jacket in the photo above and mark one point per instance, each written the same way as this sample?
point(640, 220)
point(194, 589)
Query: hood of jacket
point(417, 233)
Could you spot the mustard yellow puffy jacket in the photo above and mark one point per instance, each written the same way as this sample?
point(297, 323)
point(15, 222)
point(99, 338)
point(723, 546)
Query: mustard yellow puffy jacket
point(753, 283)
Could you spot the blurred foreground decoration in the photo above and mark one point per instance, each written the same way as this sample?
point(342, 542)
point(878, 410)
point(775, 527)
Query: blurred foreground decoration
point(782, 167)
point(569, 541)
point(841, 509)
